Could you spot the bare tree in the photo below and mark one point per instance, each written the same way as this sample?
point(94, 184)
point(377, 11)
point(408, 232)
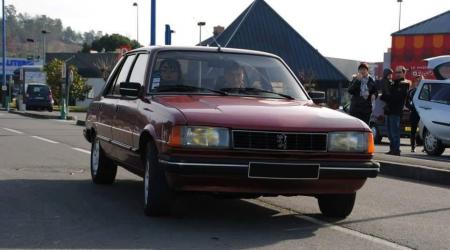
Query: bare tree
point(105, 64)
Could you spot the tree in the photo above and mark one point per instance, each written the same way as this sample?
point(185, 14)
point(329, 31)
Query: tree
point(105, 64)
point(109, 43)
point(78, 89)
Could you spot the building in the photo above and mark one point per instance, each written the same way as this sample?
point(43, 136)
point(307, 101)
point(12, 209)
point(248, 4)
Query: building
point(411, 45)
point(94, 67)
point(259, 27)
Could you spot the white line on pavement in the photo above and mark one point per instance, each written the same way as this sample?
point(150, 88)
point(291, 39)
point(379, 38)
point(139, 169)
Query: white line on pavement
point(13, 130)
point(44, 139)
point(324, 224)
point(82, 150)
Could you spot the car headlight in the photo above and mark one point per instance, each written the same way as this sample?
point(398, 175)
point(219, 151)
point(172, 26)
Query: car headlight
point(350, 142)
point(198, 136)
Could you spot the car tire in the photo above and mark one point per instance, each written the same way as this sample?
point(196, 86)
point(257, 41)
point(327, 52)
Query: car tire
point(103, 169)
point(376, 134)
point(432, 145)
point(158, 197)
point(336, 205)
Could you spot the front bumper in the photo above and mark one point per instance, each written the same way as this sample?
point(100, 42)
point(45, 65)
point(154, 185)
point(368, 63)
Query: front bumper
point(240, 168)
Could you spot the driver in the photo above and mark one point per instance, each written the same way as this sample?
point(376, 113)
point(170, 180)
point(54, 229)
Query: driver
point(233, 77)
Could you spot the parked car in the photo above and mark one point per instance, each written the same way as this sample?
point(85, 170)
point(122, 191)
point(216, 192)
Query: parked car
point(225, 122)
point(38, 97)
point(432, 100)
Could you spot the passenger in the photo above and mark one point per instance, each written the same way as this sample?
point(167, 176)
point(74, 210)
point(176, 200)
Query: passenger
point(233, 77)
point(170, 71)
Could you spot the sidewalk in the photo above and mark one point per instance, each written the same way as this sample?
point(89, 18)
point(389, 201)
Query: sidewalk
point(79, 117)
point(417, 166)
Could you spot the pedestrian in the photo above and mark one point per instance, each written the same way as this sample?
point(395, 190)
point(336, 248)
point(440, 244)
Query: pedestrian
point(394, 95)
point(413, 116)
point(362, 88)
point(378, 109)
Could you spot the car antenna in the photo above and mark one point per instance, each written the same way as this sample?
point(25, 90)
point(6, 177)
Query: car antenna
point(219, 47)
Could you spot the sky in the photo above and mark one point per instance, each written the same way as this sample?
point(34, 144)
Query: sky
point(350, 29)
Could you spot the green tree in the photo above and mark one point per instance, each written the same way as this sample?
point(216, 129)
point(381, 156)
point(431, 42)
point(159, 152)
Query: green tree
point(109, 43)
point(78, 89)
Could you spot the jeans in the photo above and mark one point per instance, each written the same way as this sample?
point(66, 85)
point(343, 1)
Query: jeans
point(393, 128)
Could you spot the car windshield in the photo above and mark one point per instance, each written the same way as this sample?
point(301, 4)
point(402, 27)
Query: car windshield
point(213, 73)
point(37, 90)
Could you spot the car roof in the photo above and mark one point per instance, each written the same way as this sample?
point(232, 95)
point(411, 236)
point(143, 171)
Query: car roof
point(202, 49)
point(438, 60)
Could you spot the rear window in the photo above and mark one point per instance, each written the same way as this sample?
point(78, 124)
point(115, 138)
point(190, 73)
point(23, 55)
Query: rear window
point(40, 90)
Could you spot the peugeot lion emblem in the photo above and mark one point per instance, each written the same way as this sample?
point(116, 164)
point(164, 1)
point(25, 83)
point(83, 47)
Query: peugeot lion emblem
point(281, 141)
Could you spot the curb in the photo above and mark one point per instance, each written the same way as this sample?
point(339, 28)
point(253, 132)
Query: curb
point(415, 172)
point(39, 116)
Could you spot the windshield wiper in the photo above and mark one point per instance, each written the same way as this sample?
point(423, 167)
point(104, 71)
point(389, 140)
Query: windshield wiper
point(188, 88)
point(250, 90)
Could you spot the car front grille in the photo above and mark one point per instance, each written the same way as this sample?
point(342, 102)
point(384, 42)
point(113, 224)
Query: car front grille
point(279, 141)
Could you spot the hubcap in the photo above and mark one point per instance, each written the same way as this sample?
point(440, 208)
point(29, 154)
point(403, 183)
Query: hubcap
point(95, 157)
point(146, 181)
point(430, 141)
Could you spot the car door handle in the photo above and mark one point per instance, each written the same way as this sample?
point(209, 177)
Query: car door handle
point(426, 108)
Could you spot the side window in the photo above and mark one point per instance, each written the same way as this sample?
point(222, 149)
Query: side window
point(122, 77)
point(108, 91)
point(425, 92)
point(140, 66)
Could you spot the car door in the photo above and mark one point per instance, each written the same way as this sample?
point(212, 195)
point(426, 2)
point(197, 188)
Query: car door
point(433, 103)
point(126, 130)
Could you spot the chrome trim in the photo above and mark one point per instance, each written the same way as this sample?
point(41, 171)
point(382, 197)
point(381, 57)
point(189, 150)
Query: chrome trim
point(103, 138)
point(280, 132)
point(350, 169)
point(103, 124)
point(276, 163)
point(203, 164)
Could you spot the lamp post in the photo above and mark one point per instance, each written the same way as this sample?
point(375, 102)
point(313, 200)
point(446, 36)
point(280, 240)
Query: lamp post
point(399, 13)
point(153, 23)
point(135, 4)
point(44, 45)
point(4, 88)
point(200, 24)
point(30, 40)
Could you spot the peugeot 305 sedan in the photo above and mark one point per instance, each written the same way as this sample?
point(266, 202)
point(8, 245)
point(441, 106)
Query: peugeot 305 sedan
point(227, 122)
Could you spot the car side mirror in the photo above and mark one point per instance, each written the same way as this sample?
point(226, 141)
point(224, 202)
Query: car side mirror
point(318, 97)
point(130, 89)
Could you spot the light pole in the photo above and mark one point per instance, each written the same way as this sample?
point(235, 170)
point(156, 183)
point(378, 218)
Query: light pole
point(135, 4)
point(44, 45)
point(153, 23)
point(200, 24)
point(399, 13)
point(30, 40)
point(4, 88)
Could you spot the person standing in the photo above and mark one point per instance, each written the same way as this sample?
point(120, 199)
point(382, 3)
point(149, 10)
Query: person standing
point(362, 88)
point(413, 116)
point(394, 95)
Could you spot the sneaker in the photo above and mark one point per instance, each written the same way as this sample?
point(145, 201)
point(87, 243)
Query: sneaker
point(396, 153)
point(413, 150)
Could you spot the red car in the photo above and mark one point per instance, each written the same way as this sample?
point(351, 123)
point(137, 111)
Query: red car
point(225, 122)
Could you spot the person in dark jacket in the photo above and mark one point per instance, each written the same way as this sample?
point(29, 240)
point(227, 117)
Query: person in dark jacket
point(414, 116)
point(362, 88)
point(394, 95)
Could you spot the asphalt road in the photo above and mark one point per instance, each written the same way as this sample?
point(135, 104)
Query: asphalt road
point(48, 201)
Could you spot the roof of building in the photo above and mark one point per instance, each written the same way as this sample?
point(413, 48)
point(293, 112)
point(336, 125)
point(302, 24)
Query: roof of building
point(439, 24)
point(259, 27)
point(88, 64)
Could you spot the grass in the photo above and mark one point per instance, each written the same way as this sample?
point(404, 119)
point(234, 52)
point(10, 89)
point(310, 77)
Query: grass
point(72, 108)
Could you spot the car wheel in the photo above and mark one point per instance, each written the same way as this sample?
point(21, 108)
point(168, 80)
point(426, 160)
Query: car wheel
point(336, 205)
point(103, 169)
point(432, 145)
point(158, 196)
point(376, 134)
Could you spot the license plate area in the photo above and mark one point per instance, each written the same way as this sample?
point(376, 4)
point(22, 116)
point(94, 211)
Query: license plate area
point(283, 171)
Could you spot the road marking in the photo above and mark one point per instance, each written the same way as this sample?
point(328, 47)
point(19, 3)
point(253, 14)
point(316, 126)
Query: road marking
point(13, 130)
point(44, 139)
point(82, 150)
point(325, 224)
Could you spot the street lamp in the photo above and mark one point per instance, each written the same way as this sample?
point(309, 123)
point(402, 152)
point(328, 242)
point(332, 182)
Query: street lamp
point(135, 4)
point(30, 40)
point(399, 13)
point(200, 24)
point(4, 88)
point(44, 45)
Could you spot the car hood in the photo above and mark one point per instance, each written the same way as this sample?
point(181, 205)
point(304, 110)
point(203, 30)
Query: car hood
point(260, 114)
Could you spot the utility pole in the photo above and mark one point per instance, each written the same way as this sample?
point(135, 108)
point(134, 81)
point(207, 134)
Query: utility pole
point(4, 86)
point(44, 45)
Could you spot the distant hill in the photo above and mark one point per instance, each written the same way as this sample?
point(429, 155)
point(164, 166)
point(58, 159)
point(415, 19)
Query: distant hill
point(22, 27)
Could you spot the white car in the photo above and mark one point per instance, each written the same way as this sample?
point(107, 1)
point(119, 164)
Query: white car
point(432, 101)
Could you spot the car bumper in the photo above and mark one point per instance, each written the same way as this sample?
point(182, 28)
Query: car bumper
point(233, 176)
